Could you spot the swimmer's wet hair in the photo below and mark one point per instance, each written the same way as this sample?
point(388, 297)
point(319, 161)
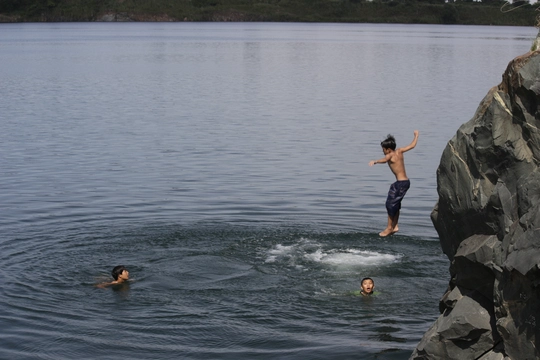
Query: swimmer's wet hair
point(117, 270)
point(389, 142)
point(367, 278)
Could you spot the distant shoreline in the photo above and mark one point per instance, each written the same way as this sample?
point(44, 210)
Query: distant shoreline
point(327, 11)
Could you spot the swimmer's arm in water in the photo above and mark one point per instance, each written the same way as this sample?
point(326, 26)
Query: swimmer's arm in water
point(105, 284)
point(114, 282)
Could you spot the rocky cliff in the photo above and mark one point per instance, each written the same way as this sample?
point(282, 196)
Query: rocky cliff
point(488, 220)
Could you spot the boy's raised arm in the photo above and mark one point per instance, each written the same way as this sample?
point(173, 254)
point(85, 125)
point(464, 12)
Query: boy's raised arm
point(412, 145)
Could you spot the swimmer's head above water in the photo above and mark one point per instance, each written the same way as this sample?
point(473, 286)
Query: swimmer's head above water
point(120, 274)
point(367, 285)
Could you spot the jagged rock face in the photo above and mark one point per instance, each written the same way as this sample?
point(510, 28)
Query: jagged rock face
point(488, 220)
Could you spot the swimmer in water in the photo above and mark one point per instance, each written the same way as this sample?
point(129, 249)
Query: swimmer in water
point(119, 274)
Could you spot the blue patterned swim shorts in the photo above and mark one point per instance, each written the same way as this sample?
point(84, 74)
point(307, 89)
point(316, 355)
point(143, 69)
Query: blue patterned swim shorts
point(395, 195)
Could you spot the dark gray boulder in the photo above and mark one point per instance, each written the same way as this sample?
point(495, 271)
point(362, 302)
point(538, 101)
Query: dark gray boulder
point(488, 221)
point(464, 331)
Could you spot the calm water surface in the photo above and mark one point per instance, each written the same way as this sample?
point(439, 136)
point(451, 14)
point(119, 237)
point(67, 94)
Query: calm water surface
point(226, 166)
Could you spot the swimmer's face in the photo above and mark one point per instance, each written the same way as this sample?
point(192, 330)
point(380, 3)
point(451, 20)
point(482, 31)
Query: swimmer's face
point(123, 276)
point(386, 151)
point(367, 286)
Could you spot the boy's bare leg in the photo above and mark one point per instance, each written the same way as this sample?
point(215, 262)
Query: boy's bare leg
point(389, 228)
point(395, 226)
point(392, 226)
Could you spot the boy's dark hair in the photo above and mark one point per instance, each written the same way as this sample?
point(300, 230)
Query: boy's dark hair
point(367, 278)
point(389, 142)
point(117, 271)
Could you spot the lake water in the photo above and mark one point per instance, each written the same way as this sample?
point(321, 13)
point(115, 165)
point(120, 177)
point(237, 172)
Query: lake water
point(226, 165)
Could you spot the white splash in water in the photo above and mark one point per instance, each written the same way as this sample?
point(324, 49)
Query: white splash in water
point(279, 251)
point(352, 257)
point(282, 250)
point(313, 252)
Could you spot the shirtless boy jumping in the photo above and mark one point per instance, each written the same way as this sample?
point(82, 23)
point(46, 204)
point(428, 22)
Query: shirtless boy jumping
point(394, 158)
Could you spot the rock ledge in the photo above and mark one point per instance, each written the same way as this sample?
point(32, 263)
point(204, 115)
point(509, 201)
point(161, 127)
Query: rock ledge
point(488, 221)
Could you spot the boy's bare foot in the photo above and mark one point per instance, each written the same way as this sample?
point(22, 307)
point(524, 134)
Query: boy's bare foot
point(386, 232)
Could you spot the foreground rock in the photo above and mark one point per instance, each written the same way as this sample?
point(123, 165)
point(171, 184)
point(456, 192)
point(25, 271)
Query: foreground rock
point(488, 220)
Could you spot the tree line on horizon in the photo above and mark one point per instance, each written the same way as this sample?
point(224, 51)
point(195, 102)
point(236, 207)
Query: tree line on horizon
point(466, 12)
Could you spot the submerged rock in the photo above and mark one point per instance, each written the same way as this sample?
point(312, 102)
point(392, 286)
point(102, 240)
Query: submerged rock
point(488, 221)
